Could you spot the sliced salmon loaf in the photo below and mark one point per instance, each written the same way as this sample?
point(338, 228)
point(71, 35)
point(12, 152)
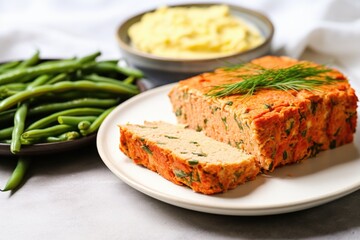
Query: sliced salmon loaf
point(187, 157)
point(278, 126)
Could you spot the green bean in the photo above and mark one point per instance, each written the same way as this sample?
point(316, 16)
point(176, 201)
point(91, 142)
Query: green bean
point(7, 116)
point(72, 135)
point(19, 126)
point(31, 141)
point(64, 137)
point(51, 62)
point(65, 66)
point(129, 80)
point(8, 65)
point(46, 132)
point(11, 89)
point(113, 62)
point(6, 92)
point(15, 75)
point(75, 120)
point(96, 124)
point(103, 67)
point(14, 86)
point(59, 91)
point(19, 86)
point(65, 86)
point(6, 133)
point(71, 95)
point(69, 112)
point(76, 103)
point(40, 80)
point(18, 174)
point(58, 78)
point(97, 78)
point(20, 116)
point(84, 125)
point(89, 58)
point(34, 59)
point(59, 97)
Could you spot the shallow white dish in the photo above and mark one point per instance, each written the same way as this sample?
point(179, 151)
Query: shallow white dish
point(331, 175)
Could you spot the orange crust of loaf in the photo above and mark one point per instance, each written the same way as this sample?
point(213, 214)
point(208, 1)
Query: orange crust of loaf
point(278, 127)
point(206, 178)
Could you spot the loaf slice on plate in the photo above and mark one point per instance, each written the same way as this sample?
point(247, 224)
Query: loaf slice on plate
point(278, 126)
point(187, 157)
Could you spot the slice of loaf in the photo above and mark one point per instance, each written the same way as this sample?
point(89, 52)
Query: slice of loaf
point(187, 157)
point(279, 127)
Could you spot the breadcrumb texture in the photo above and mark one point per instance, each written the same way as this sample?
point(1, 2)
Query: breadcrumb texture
point(187, 157)
point(278, 127)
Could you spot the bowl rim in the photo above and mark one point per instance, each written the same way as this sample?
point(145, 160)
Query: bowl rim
point(126, 47)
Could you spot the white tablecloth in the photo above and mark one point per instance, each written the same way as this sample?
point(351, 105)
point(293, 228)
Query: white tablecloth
point(74, 196)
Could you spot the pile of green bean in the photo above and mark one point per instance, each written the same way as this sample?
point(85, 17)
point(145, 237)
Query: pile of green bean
point(57, 100)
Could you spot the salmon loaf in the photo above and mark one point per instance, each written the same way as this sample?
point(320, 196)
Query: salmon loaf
point(277, 126)
point(187, 157)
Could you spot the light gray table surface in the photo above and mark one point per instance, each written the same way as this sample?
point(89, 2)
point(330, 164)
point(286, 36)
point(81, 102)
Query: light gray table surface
point(95, 204)
point(75, 196)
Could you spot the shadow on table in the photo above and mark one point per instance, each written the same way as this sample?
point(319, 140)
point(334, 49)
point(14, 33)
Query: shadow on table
point(83, 159)
point(63, 163)
point(330, 219)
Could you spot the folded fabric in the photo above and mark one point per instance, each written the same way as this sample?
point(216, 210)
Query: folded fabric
point(326, 27)
point(332, 30)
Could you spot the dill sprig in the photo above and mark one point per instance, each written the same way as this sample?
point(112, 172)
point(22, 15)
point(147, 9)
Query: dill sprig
point(298, 77)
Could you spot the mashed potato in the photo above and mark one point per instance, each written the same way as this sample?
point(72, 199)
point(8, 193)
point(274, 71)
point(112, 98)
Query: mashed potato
point(193, 33)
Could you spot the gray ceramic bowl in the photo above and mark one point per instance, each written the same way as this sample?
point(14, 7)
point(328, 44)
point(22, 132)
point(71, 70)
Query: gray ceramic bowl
point(165, 70)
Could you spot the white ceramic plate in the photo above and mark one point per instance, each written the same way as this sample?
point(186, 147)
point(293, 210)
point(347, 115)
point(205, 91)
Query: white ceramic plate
point(331, 175)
